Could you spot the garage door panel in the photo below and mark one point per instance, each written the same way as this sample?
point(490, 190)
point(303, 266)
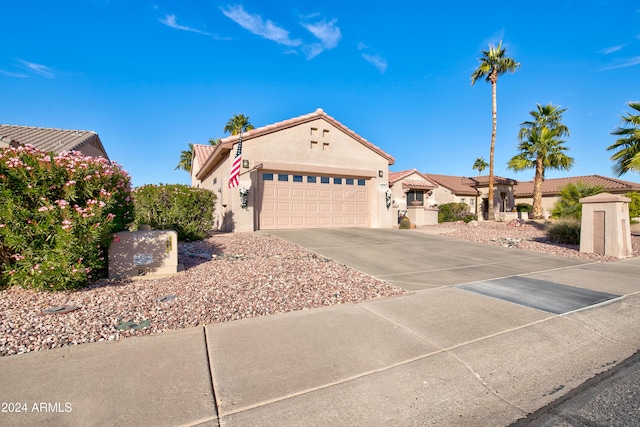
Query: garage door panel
point(289, 204)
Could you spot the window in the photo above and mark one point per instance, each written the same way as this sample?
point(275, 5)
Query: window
point(337, 180)
point(314, 145)
point(472, 202)
point(361, 182)
point(463, 200)
point(325, 146)
point(297, 178)
point(415, 198)
point(324, 179)
point(349, 181)
point(314, 131)
point(283, 177)
point(311, 179)
point(267, 177)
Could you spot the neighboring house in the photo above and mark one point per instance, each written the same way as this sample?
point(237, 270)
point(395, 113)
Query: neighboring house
point(523, 191)
point(305, 172)
point(56, 140)
point(412, 195)
point(474, 191)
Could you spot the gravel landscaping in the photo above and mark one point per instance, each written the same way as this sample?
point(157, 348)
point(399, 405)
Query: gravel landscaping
point(227, 277)
point(250, 275)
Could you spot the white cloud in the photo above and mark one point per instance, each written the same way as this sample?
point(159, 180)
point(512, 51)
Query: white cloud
point(376, 60)
point(10, 74)
point(171, 21)
point(626, 63)
point(256, 25)
point(379, 62)
point(612, 49)
point(327, 32)
point(40, 69)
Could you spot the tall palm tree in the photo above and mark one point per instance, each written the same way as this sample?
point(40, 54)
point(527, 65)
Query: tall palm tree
point(493, 64)
point(214, 141)
point(541, 147)
point(238, 123)
point(186, 157)
point(627, 157)
point(480, 164)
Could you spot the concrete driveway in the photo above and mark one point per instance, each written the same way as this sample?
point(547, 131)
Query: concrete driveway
point(417, 261)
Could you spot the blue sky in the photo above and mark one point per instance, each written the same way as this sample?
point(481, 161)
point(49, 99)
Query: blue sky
point(150, 77)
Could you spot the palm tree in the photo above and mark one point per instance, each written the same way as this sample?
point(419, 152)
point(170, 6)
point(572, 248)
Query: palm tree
point(237, 124)
point(493, 63)
point(627, 157)
point(541, 147)
point(569, 205)
point(214, 141)
point(186, 156)
point(480, 165)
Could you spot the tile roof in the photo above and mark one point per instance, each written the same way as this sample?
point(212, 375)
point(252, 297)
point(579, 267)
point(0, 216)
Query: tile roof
point(49, 139)
point(552, 186)
point(412, 183)
point(397, 176)
point(226, 144)
point(202, 152)
point(467, 186)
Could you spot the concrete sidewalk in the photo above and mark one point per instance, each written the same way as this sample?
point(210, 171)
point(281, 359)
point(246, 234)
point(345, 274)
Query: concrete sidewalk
point(441, 355)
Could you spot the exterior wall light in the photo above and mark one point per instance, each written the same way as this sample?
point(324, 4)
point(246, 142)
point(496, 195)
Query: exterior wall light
point(244, 198)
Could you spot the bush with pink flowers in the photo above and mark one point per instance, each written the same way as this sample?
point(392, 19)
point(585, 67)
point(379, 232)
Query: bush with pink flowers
point(57, 215)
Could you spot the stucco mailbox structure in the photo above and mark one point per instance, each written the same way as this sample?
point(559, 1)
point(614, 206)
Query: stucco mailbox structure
point(605, 225)
point(143, 254)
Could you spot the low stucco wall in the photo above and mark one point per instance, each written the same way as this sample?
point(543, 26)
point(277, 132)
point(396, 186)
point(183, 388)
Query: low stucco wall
point(419, 215)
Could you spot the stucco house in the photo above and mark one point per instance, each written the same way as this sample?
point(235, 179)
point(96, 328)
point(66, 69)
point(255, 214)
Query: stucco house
point(56, 140)
point(308, 171)
point(412, 196)
point(523, 191)
point(474, 191)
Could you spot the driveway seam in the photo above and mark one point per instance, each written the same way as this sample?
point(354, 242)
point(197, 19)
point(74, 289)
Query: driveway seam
point(214, 392)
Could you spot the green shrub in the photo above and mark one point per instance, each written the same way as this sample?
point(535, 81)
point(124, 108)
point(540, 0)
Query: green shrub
point(450, 212)
point(523, 207)
point(569, 205)
point(405, 223)
point(187, 210)
point(57, 215)
point(566, 231)
point(634, 204)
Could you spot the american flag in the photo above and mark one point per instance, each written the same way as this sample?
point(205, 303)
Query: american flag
point(234, 179)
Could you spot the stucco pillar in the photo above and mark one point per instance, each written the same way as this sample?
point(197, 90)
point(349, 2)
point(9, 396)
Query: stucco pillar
point(605, 225)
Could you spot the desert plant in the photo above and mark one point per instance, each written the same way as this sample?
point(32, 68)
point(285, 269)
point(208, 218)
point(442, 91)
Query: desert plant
point(569, 205)
point(405, 223)
point(187, 210)
point(634, 204)
point(450, 212)
point(57, 215)
point(565, 231)
point(523, 207)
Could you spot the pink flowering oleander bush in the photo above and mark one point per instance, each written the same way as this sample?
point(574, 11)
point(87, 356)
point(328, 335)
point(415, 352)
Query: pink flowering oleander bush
point(57, 216)
point(187, 210)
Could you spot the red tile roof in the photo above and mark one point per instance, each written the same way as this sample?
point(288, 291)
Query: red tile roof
point(553, 186)
point(50, 139)
point(226, 144)
point(202, 152)
point(467, 186)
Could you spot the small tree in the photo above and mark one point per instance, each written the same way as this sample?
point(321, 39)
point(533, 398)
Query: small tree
point(569, 205)
point(480, 165)
point(634, 204)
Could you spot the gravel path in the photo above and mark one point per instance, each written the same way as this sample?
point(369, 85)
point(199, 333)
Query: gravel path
point(250, 275)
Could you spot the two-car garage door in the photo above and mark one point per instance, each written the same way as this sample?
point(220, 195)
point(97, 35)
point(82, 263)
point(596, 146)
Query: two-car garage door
point(290, 200)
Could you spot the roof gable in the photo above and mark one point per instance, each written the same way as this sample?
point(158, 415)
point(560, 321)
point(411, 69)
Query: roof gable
point(226, 144)
point(50, 139)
